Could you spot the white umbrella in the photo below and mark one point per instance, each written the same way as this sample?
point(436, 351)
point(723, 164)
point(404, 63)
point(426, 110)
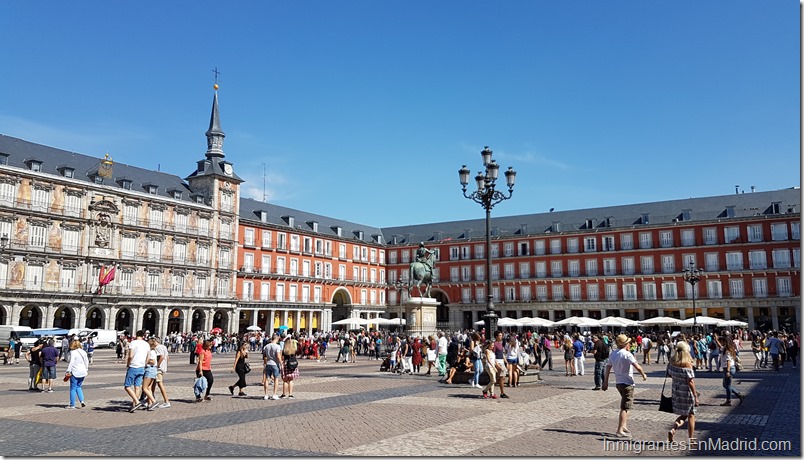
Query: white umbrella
point(254, 328)
point(379, 321)
point(616, 321)
point(580, 321)
point(536, 322)
point(660, 321)
point(508, 322)
point(397, 322)
point(355, 321)
point(701, 321)
point(479, 323)
point(732, 323)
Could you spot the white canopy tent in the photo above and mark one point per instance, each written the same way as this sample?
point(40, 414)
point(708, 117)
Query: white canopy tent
point(701, 321)
point(616, 321)
point(351, 321)
point(536, 322)
point(660, 321)
point(732, 323)
point(579, 321)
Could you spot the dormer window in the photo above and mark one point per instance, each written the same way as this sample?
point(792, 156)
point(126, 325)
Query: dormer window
point(34, 165)
point(66, 171)
point(175, 194)
point(645, 218)
point(199, 199)
point(290, 220)
point(686, 215)
point(3, 159)
point(729, 211)
point(313, 225)
point(97, 179)
point(150, 188)
point(125, 184)
point(263, 216)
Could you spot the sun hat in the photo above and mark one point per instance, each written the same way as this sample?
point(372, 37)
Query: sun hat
point(622, 340)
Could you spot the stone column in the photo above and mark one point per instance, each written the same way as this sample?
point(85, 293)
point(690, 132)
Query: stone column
point(284, 321)
point(14, 318)
point(48, 319)
point(163, 322)
point(82, 316)
point(751, 321)
point(297, 321)
point(774, 311)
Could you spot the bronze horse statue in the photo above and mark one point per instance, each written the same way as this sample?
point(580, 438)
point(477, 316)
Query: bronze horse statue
point(421, 273)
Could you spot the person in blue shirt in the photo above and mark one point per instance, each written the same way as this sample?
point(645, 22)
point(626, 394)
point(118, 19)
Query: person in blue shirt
point(578, 354)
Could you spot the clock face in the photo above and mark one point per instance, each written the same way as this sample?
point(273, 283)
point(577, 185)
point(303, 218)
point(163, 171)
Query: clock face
point(227, 169)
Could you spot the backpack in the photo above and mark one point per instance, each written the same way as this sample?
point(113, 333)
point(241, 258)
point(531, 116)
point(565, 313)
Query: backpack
point(605, 354)
point(712, 345)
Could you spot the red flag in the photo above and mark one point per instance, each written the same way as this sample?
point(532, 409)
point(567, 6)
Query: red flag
point(102, 274)
point(108, 277)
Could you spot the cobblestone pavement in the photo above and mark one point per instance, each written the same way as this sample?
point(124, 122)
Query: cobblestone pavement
point(356, 410)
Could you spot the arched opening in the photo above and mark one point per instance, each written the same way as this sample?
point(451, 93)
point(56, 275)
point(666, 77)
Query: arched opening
point(221, 320)
point(342, 303)
point(4, 315)
point(122, 321)
point(31, 317)
point(175, 320)
point(94, 319)
point(199, 318)
point(63, 318)
point(149, 321)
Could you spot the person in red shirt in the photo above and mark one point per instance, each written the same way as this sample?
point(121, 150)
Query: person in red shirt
point(204, 366)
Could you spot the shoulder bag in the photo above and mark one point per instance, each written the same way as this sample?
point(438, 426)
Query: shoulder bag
point(666, 402)
point(247, 367)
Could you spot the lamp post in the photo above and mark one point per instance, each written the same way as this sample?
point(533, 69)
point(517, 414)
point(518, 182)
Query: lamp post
point(487, 196)
point(692, 275)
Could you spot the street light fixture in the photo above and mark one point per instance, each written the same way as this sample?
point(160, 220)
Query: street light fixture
point(692, 275)
point(487, 196)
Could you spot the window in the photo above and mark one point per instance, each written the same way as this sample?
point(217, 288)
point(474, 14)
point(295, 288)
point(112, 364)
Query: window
point(628, 265)
point(574, 268)
point(541, 293)
point(591, 267)
point(226, 202)
point(555, 246)
point(8, 193)
point(294, 267)
point(40, 200)
point(668, 264)
point(248, 237)
point(757, 260)
point(72, 205)
point(690, 290)
point(524, 293)
point(308, 245)
point(510, 294)
point(611, 292)
point(541, 269)
point(539, 247)
point(711, 263)
point(710, 236)
point(181, 222)
point(508, 249)
point(33, 278)
point(248, 262)
point(592, 292)
point(70, 240)
point(590, 244)
point(645, 240)
point(480, 251)
point(177, 285)
point(714, 289)
point(153, 284)
point(295, 243)
point(760, 287)
point(781, 258)
point(736, 288)
point(755, 233)
point(575, 292)
point(649, 291)
point(609, 267)
point(480, 295)
point(558, 292)
point(454, 274)
point(495, 271)
point(669, 291)
point(130, 214)
point(795, 229)
point(797, 258)
point(731, 234)
point(556, 269)
point(687, 237)
point(155, 218)
point(572, 245)
point(495, 251)
point(626, 241)
point(666, 239)
point(629, 291)
point(154, 250)
point(180, 252)
point(127, 283)
point(266, 239)
point(265, 291)
point(465, 252)
point(37, 236)
point(282, 241)
point(480, 273)
point(201, 289)
point(67, 280)
point(608, 243)
point(223, 287)
point(510, 273)
point(783, 286)
point(523, 248)
point(779, 232)
point(734, 261)
point(646, 263)
point(524, 270)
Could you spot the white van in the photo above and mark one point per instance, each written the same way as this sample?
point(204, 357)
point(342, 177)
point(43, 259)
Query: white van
point(22, 334)
point(102, 337)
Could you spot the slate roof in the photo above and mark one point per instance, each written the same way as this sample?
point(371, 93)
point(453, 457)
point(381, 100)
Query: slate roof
point(19, 151)
point(602, 219)
point(250, 210)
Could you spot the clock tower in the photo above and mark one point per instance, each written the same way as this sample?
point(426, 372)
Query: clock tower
point(214, 184)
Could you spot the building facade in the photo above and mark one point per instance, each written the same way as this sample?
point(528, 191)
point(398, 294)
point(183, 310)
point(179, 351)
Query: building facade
point(87, 242)
point(622, 261)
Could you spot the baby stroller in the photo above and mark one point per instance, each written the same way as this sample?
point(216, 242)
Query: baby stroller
point(385, 366)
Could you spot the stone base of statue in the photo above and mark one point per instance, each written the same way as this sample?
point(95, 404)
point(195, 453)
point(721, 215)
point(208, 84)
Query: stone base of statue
point(421, 316)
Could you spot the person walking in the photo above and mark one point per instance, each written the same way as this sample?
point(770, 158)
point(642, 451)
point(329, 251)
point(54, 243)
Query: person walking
point(161, 369)
point(34, 364)
point(204, 367)
point(77, 370)
point(441, 364)
point(601, 353)
point(476, 357)
point(491, 369)
point(684, 395)
point(239, 367)
point(290, 367)
point(546, 345)
point(569, 360)
point(727, 362)
point(417, 359)
point(135, 369)
point(50, 356)
point(578, 355)
point(512, 350)
point(149, 377)
point(623, 363)
point(272, 360)
point(499, 360)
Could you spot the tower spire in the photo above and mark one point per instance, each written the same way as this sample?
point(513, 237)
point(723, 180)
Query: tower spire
point(214, 134)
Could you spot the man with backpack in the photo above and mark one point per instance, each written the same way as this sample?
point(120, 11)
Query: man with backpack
point(601, 353)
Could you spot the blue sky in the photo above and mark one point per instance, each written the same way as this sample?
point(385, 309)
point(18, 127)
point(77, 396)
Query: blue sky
point(352, 104)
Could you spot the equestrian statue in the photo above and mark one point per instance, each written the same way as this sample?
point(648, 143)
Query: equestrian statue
point(421, 270)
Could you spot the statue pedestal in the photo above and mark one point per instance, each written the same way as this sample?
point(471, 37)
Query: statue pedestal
point(421, 316)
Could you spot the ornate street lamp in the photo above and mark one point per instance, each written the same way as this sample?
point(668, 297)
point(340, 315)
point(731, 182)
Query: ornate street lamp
point(487, 196)
point(692, 275)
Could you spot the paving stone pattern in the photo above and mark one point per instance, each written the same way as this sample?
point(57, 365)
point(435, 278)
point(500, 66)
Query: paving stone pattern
point(356, 410)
